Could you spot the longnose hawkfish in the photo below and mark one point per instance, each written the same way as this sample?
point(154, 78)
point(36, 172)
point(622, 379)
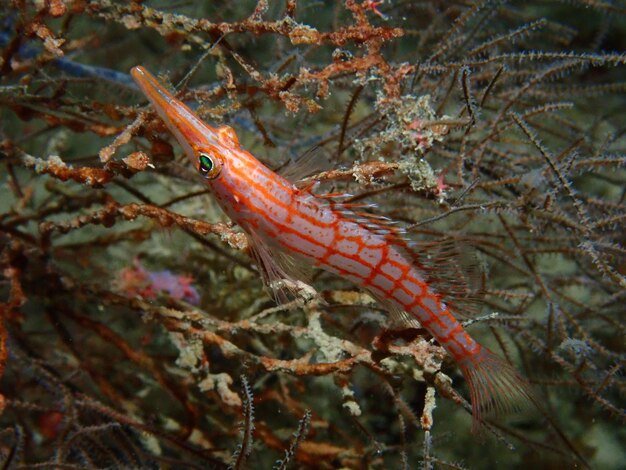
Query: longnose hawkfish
point(288, 226)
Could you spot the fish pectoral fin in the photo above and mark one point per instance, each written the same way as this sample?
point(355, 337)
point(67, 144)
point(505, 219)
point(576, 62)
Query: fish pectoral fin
point(283, 274)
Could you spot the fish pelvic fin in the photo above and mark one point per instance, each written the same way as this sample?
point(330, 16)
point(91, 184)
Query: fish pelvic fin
point(285, 275)
point(496, 388)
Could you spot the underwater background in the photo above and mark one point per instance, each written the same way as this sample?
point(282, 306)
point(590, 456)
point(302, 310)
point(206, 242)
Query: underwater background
point(135, 331)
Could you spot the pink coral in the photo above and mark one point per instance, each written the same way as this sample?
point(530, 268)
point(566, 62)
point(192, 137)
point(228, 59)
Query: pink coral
point(137, 280)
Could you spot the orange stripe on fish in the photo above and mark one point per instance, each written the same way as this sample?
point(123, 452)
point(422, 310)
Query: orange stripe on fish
point(284, 222)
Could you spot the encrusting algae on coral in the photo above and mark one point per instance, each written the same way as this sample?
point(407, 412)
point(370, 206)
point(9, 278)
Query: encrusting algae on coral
point(289, 227)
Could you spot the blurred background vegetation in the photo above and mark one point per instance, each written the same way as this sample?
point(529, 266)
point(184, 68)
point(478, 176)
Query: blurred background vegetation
point(134, 328)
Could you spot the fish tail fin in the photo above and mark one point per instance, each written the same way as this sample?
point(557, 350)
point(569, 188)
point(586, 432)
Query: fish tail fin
point(496, 388)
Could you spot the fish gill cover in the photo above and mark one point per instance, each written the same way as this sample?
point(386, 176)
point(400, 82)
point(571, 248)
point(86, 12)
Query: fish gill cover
point(134, 328)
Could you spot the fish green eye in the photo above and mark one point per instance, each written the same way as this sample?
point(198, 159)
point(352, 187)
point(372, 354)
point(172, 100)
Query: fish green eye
point(208, 165)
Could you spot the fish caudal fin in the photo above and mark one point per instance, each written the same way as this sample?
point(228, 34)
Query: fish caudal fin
point(495, 386)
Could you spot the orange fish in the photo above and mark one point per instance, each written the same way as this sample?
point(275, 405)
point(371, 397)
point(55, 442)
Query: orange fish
point(289, 227)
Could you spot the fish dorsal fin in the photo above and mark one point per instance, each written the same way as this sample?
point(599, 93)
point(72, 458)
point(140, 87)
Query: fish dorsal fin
point(228, 134)
point(310, 163)
point(448, 265)
point(357, 212)
point(451, 268)
point(282, 273)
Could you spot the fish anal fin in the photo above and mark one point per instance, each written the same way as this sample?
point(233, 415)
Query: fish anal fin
point(283, 274)
point(398, 316)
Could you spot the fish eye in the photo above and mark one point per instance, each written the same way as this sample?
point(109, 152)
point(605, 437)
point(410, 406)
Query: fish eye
point(208, 166)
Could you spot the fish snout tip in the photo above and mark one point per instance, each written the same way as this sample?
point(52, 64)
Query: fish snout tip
point(138, 71)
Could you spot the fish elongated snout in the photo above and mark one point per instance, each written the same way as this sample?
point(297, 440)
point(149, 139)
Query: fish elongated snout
point(190, 131)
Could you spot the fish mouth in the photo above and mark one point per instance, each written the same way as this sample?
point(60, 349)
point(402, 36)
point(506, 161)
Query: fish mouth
point(190, 132)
